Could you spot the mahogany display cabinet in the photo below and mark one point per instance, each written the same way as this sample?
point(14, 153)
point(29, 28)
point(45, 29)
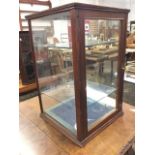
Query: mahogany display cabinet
point(26, 61)
point(79, 61)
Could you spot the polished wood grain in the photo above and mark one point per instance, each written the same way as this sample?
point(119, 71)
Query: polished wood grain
point(35, 142)
point(39, 137)
point(79, 74)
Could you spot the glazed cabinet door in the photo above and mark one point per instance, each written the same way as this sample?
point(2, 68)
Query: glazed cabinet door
point(102, 49)
point(54, 64)
point(104, 46)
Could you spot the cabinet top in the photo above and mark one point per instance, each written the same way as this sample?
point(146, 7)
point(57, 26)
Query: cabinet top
point(77, 6)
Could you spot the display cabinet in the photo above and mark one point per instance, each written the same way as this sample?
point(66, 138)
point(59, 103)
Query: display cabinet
point(79, 54)
point(26, 61)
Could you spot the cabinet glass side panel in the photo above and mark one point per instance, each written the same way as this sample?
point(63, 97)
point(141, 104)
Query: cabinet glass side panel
point(53, 52)
point(102, 48)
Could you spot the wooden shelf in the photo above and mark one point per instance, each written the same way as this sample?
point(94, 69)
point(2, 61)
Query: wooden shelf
point(28, 11)
point(26, 88)
point(36, 2)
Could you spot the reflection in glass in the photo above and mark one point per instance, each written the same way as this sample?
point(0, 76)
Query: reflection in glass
point(52, 46)
point(101, 46)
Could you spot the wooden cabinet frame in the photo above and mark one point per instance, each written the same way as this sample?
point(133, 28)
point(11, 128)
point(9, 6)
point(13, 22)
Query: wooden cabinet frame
point(79, 12)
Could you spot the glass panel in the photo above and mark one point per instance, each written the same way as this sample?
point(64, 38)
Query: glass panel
point(101, 46)
point(53, 52)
